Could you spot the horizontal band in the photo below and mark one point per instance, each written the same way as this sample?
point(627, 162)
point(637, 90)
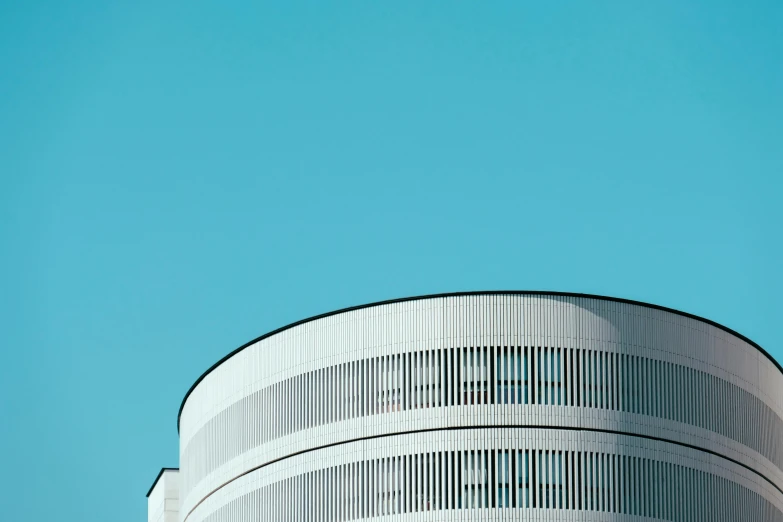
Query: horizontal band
point(479, 427)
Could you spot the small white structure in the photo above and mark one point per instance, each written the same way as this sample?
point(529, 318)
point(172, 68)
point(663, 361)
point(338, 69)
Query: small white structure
point(163, 497)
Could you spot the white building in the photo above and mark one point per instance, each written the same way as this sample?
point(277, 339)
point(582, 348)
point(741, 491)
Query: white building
point(484, 406)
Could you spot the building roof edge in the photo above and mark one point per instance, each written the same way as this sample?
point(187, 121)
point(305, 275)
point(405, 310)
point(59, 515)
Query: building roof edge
point(464, 294)
point(160, 474)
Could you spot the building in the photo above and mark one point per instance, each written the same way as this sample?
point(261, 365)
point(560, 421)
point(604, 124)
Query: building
point(484, 406)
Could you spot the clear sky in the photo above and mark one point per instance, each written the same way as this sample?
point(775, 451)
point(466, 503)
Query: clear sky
point(179, 178)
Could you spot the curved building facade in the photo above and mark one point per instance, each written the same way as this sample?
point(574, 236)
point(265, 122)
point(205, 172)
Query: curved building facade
point(485, 406)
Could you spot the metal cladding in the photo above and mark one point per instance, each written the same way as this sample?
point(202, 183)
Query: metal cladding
point(488, 406)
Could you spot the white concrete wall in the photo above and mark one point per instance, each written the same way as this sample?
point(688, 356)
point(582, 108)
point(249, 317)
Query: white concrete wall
point(215, 452)
point(361, 470)
point(163, 500)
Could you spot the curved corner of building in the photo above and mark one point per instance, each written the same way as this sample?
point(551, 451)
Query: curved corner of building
point(487, 404)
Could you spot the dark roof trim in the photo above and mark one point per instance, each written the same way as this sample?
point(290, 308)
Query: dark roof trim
point(160, 474)
point(463, 294)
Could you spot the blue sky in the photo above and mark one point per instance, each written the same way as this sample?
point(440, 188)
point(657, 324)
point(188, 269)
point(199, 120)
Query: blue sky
point(176, 179)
